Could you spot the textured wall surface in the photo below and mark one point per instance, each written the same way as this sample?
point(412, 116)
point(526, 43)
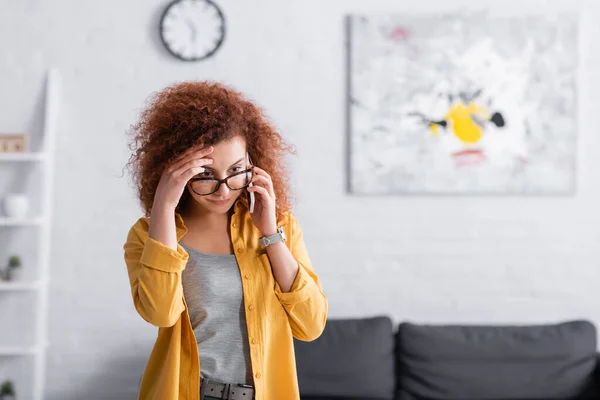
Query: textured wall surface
point(428, 259)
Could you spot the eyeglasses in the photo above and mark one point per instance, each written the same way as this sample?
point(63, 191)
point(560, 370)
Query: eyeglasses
point(237, 181)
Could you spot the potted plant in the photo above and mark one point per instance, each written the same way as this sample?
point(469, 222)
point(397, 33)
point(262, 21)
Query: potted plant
point(7, 391)
point(14, 262)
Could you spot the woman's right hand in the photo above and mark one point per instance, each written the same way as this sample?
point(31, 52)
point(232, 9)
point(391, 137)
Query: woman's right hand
point(176, 176)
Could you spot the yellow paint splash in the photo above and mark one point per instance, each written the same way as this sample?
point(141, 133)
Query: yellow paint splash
point(462, 123)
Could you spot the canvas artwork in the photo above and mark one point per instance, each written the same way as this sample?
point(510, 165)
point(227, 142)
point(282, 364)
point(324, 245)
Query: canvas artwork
point(462, 104)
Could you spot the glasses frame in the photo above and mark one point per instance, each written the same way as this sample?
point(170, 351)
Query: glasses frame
point(224, 180)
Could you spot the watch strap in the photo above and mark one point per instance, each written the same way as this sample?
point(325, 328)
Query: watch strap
point(271, 239)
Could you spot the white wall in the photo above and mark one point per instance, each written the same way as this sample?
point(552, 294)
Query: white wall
point(427, 259)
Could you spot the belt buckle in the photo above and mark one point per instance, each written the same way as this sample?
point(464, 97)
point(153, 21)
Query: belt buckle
point(239, 385)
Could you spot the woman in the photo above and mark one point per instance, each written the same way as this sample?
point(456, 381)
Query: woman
point(227, 302)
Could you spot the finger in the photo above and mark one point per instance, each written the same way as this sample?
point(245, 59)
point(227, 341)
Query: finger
point(189, 155)
point(194, 164)
point(261, 191)
point(184, 155)
point(190, 173)
point(264, 182)
point(261, 172)
point(193, 153)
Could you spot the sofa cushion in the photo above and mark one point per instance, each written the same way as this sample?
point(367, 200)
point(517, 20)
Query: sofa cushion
point(495, 362)
point(353, 358)
point(340, 398)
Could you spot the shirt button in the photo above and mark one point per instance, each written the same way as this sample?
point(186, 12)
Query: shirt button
point(250, 307)
point(253, 341)
point(247, 276)
point(235, 224)
point(258, 375)
point(240, 249)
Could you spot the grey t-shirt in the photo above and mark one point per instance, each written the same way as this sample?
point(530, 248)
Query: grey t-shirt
point(212, 288)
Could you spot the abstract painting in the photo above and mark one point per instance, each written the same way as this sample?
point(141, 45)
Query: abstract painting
point(460, 103)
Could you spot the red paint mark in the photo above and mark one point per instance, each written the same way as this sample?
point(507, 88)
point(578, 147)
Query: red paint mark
point(467, 152)
point(399, 34)
point(468, 157)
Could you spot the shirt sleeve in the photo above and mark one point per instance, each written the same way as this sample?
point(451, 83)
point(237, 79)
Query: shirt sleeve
point(155, 277)
point(305, 303)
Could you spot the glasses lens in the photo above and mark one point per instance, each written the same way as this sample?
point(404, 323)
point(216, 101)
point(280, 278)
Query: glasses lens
point(240, 181)
point(204, 186)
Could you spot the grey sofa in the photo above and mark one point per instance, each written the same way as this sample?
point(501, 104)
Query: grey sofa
point(367, 359)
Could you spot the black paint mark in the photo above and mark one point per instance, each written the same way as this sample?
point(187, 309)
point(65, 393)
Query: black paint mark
point(498, 120)
point(426, 120)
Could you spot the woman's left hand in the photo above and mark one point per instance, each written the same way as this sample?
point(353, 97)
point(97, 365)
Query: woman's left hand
point(263, 217)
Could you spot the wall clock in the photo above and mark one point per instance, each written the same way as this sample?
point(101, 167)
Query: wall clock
point(192, 30)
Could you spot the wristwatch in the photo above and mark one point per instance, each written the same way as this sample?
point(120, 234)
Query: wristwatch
point(277, 237)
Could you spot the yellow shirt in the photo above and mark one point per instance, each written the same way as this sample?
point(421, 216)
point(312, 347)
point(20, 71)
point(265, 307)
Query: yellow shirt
point(273, 318)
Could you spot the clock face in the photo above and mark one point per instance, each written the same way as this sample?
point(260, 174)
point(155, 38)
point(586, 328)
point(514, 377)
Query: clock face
point(192, 30)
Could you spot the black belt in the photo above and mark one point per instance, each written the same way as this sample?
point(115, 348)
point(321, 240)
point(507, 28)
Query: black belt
point(228, 391)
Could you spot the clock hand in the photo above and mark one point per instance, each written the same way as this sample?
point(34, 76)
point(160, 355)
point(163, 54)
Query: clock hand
point(193, 29)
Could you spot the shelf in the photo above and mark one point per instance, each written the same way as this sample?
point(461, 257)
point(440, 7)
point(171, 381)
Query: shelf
point(4, 221)
point(27, 156)
point(18, 350)
point(11, 286)
point(41, 218)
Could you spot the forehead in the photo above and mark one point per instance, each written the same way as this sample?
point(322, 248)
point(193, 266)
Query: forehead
point(228, 152)
point(235, 145)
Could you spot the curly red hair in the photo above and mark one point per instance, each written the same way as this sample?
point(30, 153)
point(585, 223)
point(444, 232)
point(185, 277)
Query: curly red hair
point(192, 114)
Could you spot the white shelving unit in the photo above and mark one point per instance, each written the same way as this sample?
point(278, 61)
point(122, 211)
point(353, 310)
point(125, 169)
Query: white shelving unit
point(21, 222)
point(33, 156)
point(42, 222)
point(19, 286)
point(12, 351)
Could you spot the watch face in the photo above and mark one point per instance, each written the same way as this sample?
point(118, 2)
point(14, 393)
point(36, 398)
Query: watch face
point(282, 233)
point(192, 30)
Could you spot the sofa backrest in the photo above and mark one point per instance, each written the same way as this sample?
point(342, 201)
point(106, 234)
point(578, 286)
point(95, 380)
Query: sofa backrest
point(351, 358)
point(452, 362)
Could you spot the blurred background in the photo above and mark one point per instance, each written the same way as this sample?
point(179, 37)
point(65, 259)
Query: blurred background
point(74, 76)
